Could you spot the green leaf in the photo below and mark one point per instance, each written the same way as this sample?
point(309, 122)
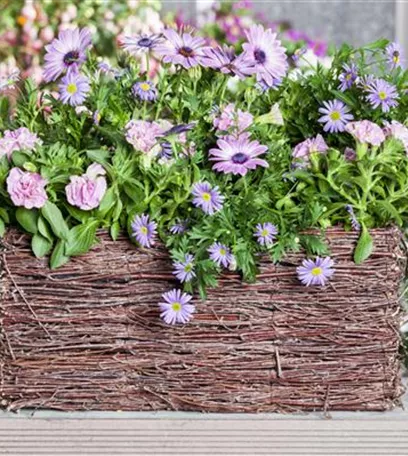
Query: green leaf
point(2, 227)
point(58, 257)
point(19, 158)
point(314, 245)
point(4, 215)
point(40, 245)
point(98, 155)
point(108, 201)
point(364, 247)
point(81, 238)
point(115, 230)
point(44, 229)
point(54, 217)
point(28, 219)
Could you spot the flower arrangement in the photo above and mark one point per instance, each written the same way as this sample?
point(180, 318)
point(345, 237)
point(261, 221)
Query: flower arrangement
point(221, 174)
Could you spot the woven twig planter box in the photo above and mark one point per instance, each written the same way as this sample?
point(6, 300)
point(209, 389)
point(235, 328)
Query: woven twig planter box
point(88, 336)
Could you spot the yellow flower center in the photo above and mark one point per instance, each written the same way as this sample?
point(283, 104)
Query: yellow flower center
point(335, 115)
point(188, 267)
point(206, 197)
point(143, 230)
point(144, 86)
point(21, 20)
point(317, 271)
point(72, 88)
point(176, 306)
point(382, 95)
point(348, 76)
point(222, 252)
point(264, 233)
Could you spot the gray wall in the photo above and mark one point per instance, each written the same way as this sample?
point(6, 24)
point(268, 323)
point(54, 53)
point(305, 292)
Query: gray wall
point(357, 22)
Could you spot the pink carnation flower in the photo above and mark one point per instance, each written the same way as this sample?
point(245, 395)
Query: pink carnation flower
point(87, 191)
point(143, 134)
point(26, 189)
point(20, 139)
point(398, 131)
point(233, 120)
point(366, 132)
point(311, 145)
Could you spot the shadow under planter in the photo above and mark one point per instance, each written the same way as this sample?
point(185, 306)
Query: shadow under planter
point(88, 336)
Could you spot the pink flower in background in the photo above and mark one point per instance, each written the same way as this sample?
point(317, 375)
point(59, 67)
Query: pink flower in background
point(233, 119)
point(87, 191)
point(26, 189)
point(20, 139)
point(366, 132)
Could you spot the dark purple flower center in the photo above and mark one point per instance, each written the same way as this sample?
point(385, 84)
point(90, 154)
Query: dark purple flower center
point(71, 57)
point(145, 42)
point(260, 56)
point(186, 51)
point(239, 158)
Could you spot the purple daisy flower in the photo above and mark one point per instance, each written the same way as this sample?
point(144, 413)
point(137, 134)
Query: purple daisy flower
point(267, 53)
point(184, 270)
point(348, 77)
point(225, 60)
point(208, 198)
point(73, 88)
point(353, 219)
point(383, 94)
point(336, 116)
point(144, 230)
point(315, 272)
point(166, 151)
point(176, 308)
point(185, 50)
point(67, 52)
point(220, 254)
point(179, 227)
point(237, 155)
point(146, 91)
point(266, 233)
point(395, 55)
point(140, 44)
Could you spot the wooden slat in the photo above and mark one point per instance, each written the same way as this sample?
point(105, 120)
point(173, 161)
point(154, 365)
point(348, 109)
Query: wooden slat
point(249, 436)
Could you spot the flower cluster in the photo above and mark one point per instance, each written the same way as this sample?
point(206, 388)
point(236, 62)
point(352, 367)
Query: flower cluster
point(199, 160)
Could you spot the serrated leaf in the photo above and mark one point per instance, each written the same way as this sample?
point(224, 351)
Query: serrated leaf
point(40, 245)
point(58, 257)
point(81, 238)
point(364, 247)
point(28, 219)
point(54, 217)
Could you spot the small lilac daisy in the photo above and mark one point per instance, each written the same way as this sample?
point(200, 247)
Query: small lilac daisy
point(67, 52)
point(336, 116)
point(225, 60)
point(266, 233)
point(383, 94)
point(144, 230)
point(184, 270)
point(8, 81)
point(315, 272)
point(268, 54)
point(185, 49)
point(73, 88)
point(348, 77)
point(140, 44)
point(263, 86)
point(166, 151)
point(395, 55)
point(220, 254)
point(237, 156)
point(353, 219)
point(208, 198)
point(145, 91)
point(176, 308)
point(179, 227)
